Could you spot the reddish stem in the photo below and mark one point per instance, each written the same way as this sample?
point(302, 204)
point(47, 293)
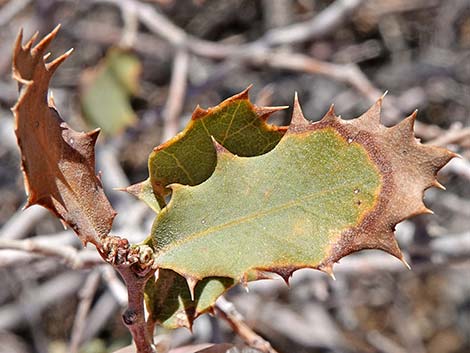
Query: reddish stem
point(134, 316)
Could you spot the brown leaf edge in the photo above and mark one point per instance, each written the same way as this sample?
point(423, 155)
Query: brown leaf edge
point(407, 168)
point(66, 182)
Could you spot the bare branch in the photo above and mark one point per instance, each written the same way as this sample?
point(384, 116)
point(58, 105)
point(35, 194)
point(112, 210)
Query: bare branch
point(176, 94)
point(86, 297)
point(230, 314)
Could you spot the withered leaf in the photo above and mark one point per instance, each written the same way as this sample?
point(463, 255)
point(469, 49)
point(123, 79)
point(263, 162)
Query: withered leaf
point(58, 162)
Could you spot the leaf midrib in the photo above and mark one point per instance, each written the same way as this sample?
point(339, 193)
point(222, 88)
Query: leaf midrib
point(259, 214)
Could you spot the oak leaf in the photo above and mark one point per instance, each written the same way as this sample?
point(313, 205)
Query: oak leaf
point(58, 162)
point(326, 190)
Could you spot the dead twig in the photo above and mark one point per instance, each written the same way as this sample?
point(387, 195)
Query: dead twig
point(71, 256)
point(451, 136)
point(176, 94)
point(86, 295)
point(260, 54)
point(322, 24)
point(23, 222)
point(11, 9)
point(52, 291)
point(230, 314)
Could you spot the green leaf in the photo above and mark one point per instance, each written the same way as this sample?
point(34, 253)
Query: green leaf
point(106, 90)
point(326, 190)
point(144, 192)
point(189, 158)
point(169, 299)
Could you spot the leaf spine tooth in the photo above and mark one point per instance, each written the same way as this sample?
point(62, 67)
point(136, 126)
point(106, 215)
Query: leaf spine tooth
point(192, 282)
point(244, 282)
point(198, 112)
point(31, 41)
point(425, 210)
point(19, 41)
point(51, 101)
point(53, 65)
point(298, 121)
point(438, 185)
point(44, 43)
point(265, 112)
point(404, 262)
point(243, 94)
point(211, 311)
point(328, 269)
point(219, 149)
point(372, 115)
point(330, 114)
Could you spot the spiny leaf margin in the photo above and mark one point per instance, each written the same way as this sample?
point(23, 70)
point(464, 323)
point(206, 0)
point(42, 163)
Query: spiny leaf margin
point(58, 163)
point(392, 150)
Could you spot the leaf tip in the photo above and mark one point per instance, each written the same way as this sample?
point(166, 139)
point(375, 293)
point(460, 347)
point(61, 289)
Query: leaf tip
point(438, 185)
point(298, 121)
point(243, 94)
point(198, 113)
point(265, 112)
point(219, 148)
point(405, 263)
point(328, 269)
point(53, 65)
point(372, 115)
point(192, 282)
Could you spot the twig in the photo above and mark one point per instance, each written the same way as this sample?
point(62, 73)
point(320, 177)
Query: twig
point(325, 22)
point(458, 166)
point(71, 256)
point(23, 222)
point(277, 13)
point(86, 297)
point(176, 94)
point(116, 287)
point(383, 343)
point(229, 313)
point(451, 136)
point(131, 25)
point(134, 316)
point(52, 291)
point(259, 53)
point(11, 9)
point(100, 315)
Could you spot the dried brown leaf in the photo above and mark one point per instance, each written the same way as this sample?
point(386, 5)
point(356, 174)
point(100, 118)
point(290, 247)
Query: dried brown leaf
point(58, 162)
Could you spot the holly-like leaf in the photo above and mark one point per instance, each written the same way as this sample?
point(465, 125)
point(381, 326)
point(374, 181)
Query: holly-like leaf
point(326, 190)
point(58, 162)
point(189, 158)
point(107, 88)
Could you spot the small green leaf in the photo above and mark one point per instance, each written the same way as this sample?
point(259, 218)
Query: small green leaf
point(106, 90)
point(169, 300)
